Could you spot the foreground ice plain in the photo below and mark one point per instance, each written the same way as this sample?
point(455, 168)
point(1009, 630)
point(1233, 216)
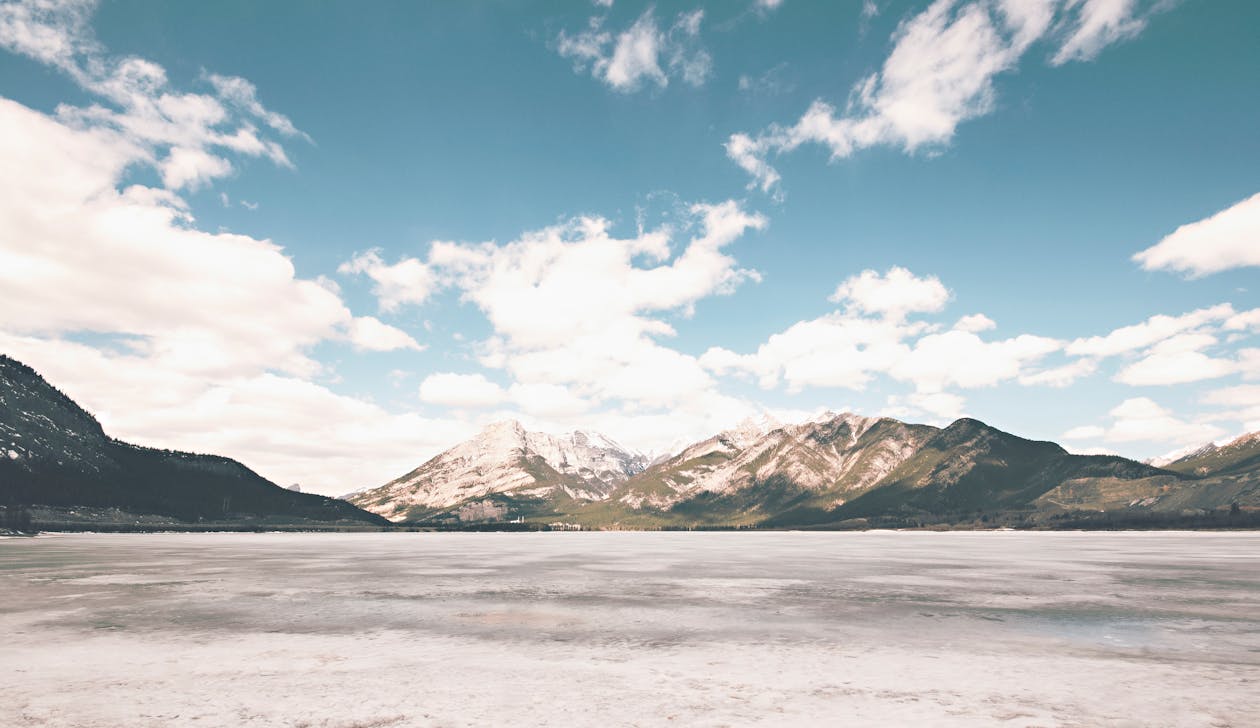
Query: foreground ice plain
point(877, 628)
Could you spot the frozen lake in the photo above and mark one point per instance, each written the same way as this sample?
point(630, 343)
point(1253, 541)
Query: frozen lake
point(1014, 629)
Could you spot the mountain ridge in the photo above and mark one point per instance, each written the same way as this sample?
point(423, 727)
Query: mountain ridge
point(842, 468)
point(55, 454)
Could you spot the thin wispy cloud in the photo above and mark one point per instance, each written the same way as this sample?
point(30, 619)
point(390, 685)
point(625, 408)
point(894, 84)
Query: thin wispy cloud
point(645, 54)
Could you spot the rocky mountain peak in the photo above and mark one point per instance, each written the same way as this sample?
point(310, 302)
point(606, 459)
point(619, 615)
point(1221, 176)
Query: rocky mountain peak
point(507, 458)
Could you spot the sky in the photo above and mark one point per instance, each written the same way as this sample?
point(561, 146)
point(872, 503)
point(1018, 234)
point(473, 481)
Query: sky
point(333, 239)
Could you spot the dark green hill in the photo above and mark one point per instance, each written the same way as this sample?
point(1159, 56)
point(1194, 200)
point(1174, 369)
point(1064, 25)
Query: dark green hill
point(971, 467)
point(54, 453)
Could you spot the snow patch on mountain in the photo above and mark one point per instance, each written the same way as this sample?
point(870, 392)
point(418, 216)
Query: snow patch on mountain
point(503, 458)
point(826, 451)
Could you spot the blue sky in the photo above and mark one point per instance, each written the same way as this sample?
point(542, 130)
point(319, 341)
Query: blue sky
point(331, 240)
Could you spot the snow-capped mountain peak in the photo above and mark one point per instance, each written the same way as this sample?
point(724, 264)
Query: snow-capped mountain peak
point(505, 457)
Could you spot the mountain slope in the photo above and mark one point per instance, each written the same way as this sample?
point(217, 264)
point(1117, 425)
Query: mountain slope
point(849, 467)
point(506, 467)
point(971, 467)
point(833, 469)
point(1237, 457)
point(54, 453)
point(739, 478)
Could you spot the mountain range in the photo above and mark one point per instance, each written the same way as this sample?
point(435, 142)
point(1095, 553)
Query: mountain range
point(56, 459)
point(833, 471)
point(837, 470)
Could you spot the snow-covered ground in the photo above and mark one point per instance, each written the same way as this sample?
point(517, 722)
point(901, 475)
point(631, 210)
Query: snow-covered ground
point(1014, 629)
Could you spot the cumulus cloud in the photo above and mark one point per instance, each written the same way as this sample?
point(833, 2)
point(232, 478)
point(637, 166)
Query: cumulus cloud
point(287, 428)
point(202, 340)
point(1228, 239)
point(975, 323)
point(1240, 403)
point(893, 294)
point(409, 281)
point(872, 337)
point(577, 308)
point(1141, 419)
point(576, 280)
point(642, 54)
point(371, 334)
point(940, 73)
point(1177, 360)
point(198, 317)
point(1085, 432)
point(963, 359)
point(460, 390)
point(578, 315)
point(218, 302)
point(942, 407)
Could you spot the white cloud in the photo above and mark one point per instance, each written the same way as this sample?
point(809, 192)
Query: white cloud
point(409, 281)
point(1241, 403)
point(577, 314)
point(962, 359)
point(1167, 350)
point(975, 323)
point(642, 54)
point(836, 350)
point(191, 168)
point(770, 82)
point(1244, 321)
point(939, 74)
point(79, 255)
point(943, 407)
point(1099, 23)
point(187, 137)
point(1060, 376)
point(1228, 239)
point(548, 401)
point(370, 334)
point(287, 429)
point(1177, 360)
point(1151, 331)
point(847, 349)
point(55, 33)
point(894, 294)
point(460, 390)
point(202, 340)
point(575, 280)
point(1085, 432)
point(244, 95)
point(1142, 420)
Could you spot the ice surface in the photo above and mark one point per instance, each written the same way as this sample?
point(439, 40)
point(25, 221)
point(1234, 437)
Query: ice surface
point(879, 628)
